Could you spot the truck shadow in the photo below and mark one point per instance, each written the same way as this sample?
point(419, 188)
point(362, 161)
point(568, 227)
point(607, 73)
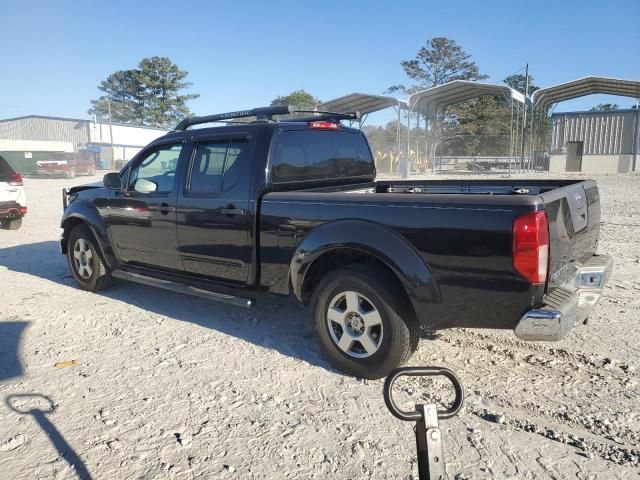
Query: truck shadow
point(277, 323)
point(10, 333)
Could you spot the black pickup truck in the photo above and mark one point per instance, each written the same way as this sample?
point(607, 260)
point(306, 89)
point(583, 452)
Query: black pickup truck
point(293, 207)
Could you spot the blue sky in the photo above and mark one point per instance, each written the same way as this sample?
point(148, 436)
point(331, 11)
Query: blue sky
point(243, 54)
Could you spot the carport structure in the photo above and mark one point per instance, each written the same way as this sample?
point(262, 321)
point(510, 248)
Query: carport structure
point(367, 104)
point(431, 106)
point(545, 98)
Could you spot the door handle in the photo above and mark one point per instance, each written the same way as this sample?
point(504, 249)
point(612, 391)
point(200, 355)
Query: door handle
point(165, 208)
point(233, 211)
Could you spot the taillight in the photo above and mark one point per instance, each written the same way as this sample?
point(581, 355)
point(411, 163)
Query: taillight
point(531, 246)
point(15, 180)
point(324, 125)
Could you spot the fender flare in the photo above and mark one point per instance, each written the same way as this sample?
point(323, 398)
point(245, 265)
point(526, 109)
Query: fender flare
point(373, 239)
point(89, 216)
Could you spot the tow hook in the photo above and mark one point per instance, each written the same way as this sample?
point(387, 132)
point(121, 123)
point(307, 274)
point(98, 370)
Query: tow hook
point(431, 464)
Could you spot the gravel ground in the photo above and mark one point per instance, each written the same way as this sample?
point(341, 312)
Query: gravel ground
point(158, 385)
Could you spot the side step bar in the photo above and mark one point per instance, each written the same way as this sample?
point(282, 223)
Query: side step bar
point(183, 288)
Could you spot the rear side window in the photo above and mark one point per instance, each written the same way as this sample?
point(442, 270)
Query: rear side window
point(303, 155)
point(216, 166)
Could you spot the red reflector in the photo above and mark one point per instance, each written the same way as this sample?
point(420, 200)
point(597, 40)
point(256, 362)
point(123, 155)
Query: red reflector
point(23, 210)
point(324, 125)
point(15, 180)
point(531, 246)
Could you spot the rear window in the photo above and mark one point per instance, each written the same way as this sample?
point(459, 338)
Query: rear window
point(5, 168)
point(61, 156)
point(303, 155)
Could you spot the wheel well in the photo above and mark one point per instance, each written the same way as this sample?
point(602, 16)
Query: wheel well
point(69, 224)
point(347, 257)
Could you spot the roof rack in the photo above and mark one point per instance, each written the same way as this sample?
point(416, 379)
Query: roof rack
point(325, 116)
point(263, 114)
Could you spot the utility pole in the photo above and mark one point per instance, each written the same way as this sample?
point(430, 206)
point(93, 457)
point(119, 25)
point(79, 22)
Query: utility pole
point(524, 117)
point(113, 152)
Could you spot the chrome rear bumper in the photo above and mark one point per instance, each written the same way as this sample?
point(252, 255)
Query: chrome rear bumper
point(569, 305)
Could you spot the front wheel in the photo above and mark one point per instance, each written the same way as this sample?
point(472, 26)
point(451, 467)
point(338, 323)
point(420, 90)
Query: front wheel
point(361, 323)
point(85, 263)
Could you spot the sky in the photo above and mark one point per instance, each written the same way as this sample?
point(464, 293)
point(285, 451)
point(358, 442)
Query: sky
point(242, 54)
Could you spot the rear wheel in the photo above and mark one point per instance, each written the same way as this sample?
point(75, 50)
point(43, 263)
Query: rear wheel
point(85, 263)
point(11, 224)
point(361, 324)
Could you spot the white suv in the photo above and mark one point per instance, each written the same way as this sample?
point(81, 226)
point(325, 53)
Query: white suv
point(13, 200)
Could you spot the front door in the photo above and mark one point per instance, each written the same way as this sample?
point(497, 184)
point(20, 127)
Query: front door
point(142, 217)
point(214, 216)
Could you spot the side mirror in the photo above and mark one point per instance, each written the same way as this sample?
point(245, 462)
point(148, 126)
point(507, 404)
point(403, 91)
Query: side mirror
point(112, 180)
point(143, 185)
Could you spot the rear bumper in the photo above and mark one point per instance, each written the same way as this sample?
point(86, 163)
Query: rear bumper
point(568, 305)
point(58, 171)
point(12, 210)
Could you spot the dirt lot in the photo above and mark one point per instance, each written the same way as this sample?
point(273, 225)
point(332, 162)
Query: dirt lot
point(168, 386)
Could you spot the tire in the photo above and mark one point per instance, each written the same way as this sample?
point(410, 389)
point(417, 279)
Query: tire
point(359, 302)
point(12, 224)
point(71, 173)
point(86, 266)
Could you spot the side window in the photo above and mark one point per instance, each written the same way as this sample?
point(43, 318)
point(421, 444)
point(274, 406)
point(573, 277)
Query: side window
point(216, 166)
point(157, 170)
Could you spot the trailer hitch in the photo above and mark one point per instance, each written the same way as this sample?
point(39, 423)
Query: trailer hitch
point(429, 444)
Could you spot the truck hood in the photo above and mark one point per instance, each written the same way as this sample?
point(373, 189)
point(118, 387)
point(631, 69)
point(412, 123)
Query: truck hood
point(88, 186)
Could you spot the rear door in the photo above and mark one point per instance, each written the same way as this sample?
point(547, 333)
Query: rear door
point(214, 215)
point(142, 217)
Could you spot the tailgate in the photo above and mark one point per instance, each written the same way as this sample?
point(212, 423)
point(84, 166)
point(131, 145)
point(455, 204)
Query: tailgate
point(573, 212)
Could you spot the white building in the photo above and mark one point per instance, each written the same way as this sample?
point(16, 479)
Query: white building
point(25, 140)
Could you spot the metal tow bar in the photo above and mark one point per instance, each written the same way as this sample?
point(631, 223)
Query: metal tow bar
point(431, 463)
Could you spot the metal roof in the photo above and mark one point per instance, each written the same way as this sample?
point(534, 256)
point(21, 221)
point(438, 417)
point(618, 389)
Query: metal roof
point(435, 99)
point(361, 102)
point(585, 86)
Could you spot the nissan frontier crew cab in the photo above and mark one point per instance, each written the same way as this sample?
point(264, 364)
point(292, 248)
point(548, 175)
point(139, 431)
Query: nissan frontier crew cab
point(293, 207)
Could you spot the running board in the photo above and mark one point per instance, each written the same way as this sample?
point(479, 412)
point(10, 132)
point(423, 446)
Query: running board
point(183, 288)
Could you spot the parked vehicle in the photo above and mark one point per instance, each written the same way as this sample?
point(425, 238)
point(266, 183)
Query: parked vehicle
point(67, 164)
point(13, 200)
point(293, 207)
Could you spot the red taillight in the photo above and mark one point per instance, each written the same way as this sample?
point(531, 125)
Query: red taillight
point(531, 246)
point(324, 125)
point(15, 180)
point(22, 210)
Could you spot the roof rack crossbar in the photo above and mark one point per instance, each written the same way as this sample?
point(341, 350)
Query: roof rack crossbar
point(261, 113)
point(326, 116)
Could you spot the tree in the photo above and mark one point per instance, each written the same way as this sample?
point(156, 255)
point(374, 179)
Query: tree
point(439, 61)
point(299, 98)
point(518, 83)
point(604, 107)
point(148, 95)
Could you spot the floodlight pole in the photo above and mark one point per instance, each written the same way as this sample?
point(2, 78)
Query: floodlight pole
point(113, 152)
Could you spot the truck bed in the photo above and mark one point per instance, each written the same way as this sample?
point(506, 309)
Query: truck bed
point(461, 230)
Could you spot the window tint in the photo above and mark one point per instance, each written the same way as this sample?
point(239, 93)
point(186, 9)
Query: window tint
point(157, 167)
point(314, 155)
point(216, 166)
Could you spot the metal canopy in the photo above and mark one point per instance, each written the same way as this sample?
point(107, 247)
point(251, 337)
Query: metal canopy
point(585, 86)
point(435, 99)
point(361, 102)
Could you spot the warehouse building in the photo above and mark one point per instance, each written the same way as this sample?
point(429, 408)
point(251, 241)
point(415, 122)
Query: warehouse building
point(26, 140)
point(595, 142)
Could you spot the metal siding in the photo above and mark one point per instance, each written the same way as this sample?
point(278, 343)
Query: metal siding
point(603, 133)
